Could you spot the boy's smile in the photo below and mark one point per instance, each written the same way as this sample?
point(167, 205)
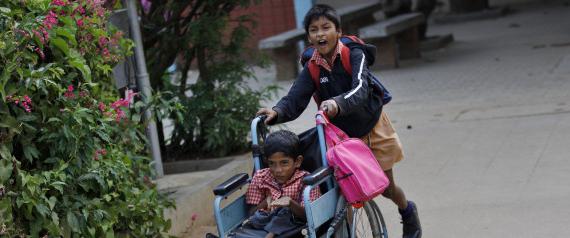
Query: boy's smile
point(323, 35)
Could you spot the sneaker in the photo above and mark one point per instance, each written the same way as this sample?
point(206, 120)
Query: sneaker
point(210, 235)
point(411, 223)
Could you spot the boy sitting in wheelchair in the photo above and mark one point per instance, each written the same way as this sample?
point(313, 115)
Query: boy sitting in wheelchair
point(276, 192)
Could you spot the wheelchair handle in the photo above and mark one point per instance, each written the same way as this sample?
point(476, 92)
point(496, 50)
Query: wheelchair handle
point(258, 129)
point(257, 126)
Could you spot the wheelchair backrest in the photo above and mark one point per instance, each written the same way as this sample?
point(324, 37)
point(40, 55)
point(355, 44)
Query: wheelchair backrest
point(312, 159)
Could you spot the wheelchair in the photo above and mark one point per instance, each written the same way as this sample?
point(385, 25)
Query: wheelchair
point(328, 216)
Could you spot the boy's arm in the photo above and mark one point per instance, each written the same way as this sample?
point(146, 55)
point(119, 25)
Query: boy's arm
point(254, 195)
point(262, 205)
point(294, 103)
point(357, 96)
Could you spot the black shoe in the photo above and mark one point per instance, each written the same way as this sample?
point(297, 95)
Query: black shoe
point(412, 226)
point(210, 235)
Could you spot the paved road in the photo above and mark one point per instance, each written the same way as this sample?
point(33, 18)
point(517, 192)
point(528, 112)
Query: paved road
point(488, 152)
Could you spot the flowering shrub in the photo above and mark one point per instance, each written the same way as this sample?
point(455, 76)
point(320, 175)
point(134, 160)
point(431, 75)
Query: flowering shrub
point(71, 151)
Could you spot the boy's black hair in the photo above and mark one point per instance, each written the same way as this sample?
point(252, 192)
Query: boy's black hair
point(318, 11)
point(282, 141)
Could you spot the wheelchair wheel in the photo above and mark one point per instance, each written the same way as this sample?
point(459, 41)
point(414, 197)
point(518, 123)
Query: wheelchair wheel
point(382, 224)
point(343, 228)
point(365, 222)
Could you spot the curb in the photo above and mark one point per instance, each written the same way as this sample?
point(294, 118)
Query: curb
point(192, 193)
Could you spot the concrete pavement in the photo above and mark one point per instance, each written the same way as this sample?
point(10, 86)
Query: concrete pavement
point(488, 152)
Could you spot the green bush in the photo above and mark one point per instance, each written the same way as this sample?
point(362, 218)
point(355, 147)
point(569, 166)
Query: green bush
point(72, 158)
point(209, 36)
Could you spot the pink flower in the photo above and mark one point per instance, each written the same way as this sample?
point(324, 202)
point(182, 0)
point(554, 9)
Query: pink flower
point(98, 152)
point(69, 93)
point(58, 3)
point(119, 103)
point(103, 41)
point(100, 12)
point(79, 9)
point(101, 106)
point(194, 216)
point(120, 115)
point(39, 36)
point(40, 52)
point(106, 53)
point(50, 20)
point(79, 22)
point(25, 102)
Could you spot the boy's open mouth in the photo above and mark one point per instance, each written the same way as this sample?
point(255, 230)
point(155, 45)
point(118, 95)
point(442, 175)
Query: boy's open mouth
point(322, 42)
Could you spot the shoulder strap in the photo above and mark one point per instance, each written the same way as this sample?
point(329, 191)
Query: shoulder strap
point(315, 72)
point(345, 51)
point(345, 59)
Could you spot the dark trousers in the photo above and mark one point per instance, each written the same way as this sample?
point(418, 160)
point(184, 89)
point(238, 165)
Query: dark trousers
point(278, 222)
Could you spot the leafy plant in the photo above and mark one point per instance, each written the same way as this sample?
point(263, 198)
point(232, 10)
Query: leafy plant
point(72, 154)
point(208, 35)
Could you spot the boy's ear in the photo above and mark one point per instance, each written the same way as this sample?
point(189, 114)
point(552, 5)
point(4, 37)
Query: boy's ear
point(298, 161)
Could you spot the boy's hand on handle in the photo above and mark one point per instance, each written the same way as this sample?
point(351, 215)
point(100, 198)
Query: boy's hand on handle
point(330, 108)
point(270, 113)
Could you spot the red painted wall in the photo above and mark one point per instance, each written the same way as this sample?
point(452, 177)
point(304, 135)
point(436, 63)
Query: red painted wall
point(272, 16)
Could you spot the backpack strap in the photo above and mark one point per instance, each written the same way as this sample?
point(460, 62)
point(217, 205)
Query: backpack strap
point(346, 39)
point(315, 72)
point(345, 59)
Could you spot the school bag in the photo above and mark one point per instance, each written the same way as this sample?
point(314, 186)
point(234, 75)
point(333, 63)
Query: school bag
point(356, 169)
point(349, 42)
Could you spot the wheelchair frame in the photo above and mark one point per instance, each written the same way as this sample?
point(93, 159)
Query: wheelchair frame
point(328, 207)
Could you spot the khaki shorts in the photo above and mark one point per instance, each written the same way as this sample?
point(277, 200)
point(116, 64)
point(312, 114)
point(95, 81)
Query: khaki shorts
point(384, 142)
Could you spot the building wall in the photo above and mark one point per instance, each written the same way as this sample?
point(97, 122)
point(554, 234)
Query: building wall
point(444, 8)
point(272, 17)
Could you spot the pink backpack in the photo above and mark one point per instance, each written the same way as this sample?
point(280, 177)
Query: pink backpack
point(356, 169)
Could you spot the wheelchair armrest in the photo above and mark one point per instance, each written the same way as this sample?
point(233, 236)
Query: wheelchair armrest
point(316, 176)
point(231, 184)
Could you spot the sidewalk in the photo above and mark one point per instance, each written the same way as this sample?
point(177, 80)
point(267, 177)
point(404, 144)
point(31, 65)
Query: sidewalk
point(487, 154)
point(487, 149)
